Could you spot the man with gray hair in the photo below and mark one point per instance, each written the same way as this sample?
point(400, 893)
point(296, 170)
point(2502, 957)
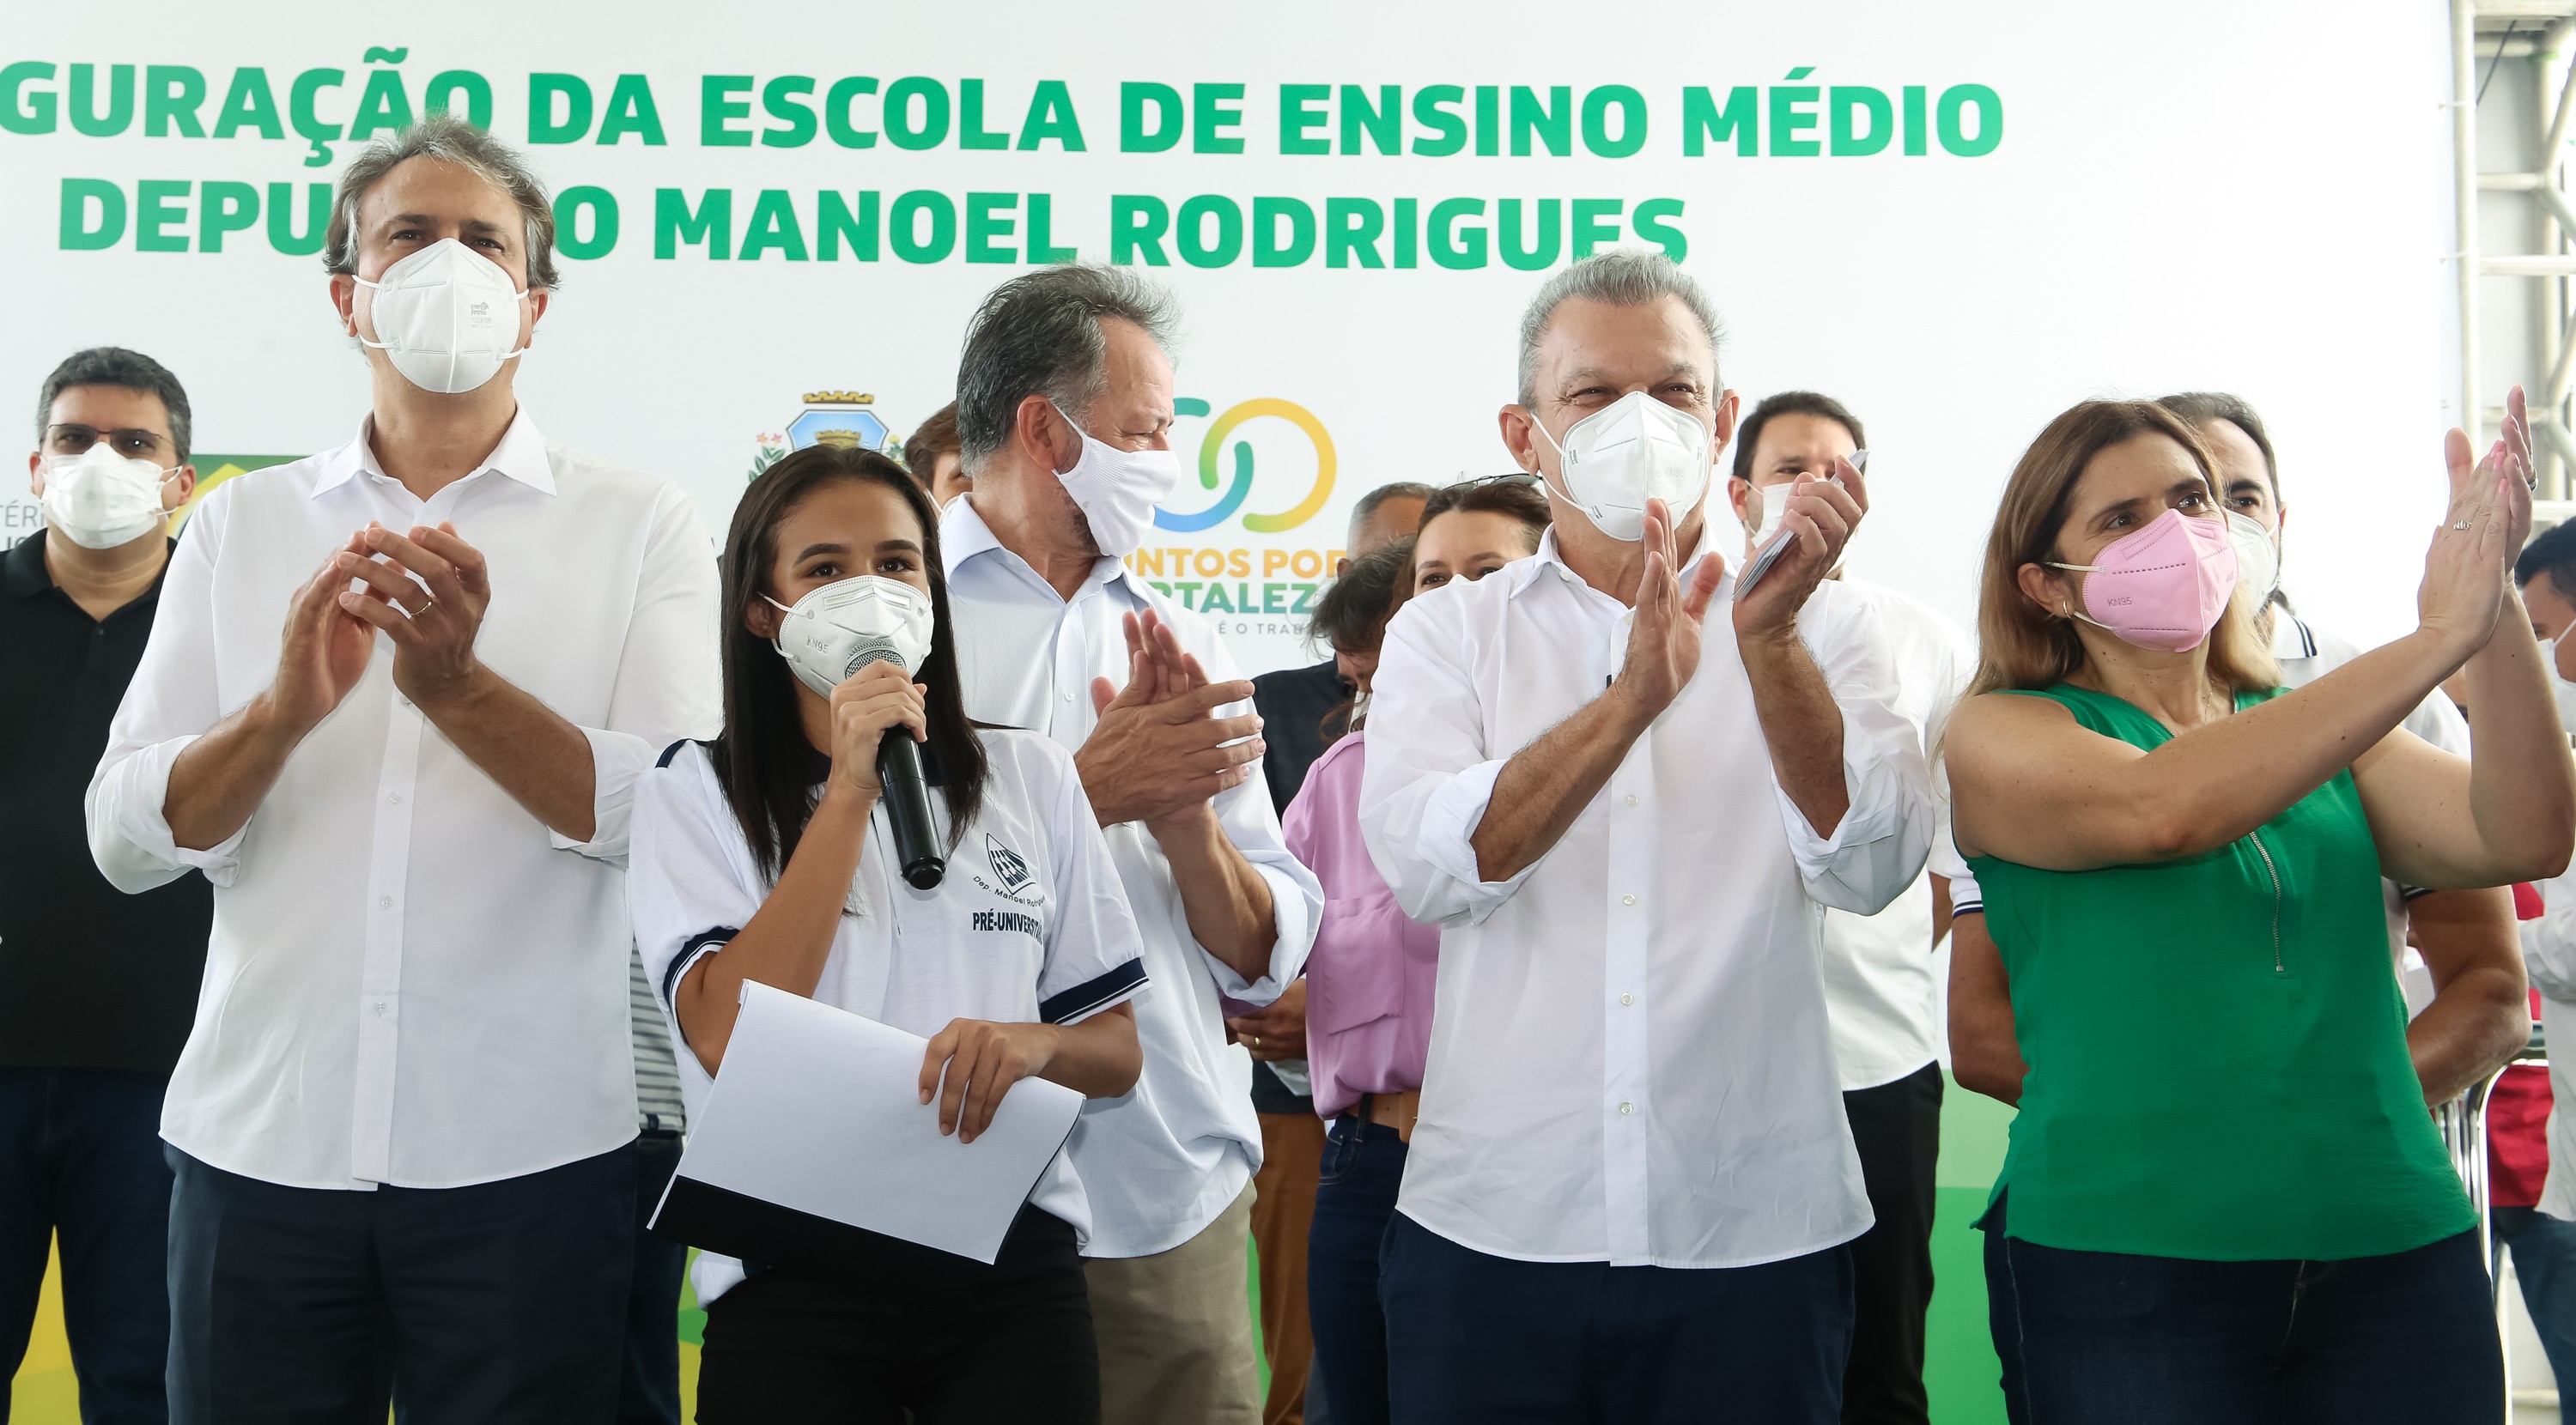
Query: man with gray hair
point(404, 1126)
point(1064, 408)
point(1630, 1191)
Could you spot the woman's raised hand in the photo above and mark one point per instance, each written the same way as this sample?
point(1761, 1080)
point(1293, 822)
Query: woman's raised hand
point(869, 702)
point(2466, 570)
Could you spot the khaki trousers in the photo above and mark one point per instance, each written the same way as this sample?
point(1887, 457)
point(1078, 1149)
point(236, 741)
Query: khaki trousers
point(1175, 1330)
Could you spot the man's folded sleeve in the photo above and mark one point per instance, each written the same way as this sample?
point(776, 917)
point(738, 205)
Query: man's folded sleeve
point(1880, 846)
point(1429, 776)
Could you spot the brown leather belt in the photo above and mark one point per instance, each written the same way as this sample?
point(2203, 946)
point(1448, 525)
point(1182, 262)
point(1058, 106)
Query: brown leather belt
point(1394, 1110)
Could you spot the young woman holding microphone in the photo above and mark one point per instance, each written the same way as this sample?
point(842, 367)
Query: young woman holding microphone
point(766, 855)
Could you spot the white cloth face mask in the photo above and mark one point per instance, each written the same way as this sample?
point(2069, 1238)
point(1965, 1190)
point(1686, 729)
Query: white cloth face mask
point(1117, 490)
point(1634, 449)
point(446, 316)
point(100, 499)
point(2258, 559)
point(843, 626)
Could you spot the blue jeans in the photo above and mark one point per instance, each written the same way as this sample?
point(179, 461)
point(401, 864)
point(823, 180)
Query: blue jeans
point(80, 1157)
point(1474, 1339)
point(2109, 1338)
point(2544, 1257)
point(1354, 1201)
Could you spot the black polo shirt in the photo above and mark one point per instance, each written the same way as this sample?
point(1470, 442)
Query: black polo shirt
point(89, 977)
point(1300, 708)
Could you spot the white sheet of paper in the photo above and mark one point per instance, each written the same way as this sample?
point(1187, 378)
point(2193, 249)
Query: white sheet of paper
point(820, 1110)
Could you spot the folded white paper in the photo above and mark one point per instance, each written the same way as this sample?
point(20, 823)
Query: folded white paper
point(818, 1111)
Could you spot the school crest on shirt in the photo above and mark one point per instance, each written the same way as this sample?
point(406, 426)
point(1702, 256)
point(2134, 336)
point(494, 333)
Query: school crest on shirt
point(1011, 879)
point(1008, 868)
point(843, 418)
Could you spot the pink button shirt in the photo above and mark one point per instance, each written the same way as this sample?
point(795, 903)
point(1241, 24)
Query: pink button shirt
point(1369, 981)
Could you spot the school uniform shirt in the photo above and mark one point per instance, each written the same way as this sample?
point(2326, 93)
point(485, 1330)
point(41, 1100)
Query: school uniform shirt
point(1629, 1060)
point(1028, 926)
point(1166, 1158)
point(412, 980)
point(1882, 995)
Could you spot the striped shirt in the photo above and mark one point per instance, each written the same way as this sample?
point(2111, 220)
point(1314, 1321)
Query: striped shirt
point(657, 1073)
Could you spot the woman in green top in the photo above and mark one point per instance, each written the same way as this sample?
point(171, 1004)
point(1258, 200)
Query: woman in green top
point(2224, 1201)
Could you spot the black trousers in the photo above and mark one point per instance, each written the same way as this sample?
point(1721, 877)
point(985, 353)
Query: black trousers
point(648, 1391)
point(80, 1162)
point(503, 1303)
point(1473, 1339)
point(945, 1338)
point(1897, 1127)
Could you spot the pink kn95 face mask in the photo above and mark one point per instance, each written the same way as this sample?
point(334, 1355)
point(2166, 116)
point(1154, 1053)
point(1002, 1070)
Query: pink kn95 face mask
point(2163, 586)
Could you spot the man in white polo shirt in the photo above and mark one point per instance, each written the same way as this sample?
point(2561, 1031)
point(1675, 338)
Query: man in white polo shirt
point(394, 709)
point(1622, 790)
point(1064, 405)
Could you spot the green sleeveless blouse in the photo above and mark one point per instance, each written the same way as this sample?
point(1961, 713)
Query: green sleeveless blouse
point(2216, 1046)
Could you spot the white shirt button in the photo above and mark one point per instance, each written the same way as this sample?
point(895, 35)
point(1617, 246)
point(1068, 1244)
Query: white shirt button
point(1068, 697)
point(1627, 1108)
point(380, 1009)
point(394, 797)
point(1627, 900)
point(384, 902)
point(1632, 799)
point(1627, 999)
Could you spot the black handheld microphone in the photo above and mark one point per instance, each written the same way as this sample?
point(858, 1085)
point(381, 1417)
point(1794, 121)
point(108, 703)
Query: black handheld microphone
point(907, 804)
point(907, 792)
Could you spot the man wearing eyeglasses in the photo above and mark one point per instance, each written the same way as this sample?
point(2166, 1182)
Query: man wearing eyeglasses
point(97, 988)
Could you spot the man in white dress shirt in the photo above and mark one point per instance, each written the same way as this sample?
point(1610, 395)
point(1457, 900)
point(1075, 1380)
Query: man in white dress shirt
point(403, 1125)
point(1064, 405)
point(1631, 1186)
point(1881, 993)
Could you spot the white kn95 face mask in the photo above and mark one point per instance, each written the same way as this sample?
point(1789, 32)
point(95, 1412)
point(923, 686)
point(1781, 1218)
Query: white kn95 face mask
point(843, 626)
point(1634, 449)
point(446, 316)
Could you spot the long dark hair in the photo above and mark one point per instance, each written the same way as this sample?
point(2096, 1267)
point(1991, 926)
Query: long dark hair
point(1514, 495)
point(1353, 614)
point(764, 760)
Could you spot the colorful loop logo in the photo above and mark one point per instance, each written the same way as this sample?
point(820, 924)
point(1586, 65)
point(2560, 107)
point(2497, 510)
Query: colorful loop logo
point(1241, 488)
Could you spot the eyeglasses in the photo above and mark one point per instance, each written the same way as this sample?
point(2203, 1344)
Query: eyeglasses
point(131, 442)
point(1508, 477)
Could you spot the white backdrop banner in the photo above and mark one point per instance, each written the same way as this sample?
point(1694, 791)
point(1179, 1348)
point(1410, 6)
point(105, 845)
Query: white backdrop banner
point(1957, 219)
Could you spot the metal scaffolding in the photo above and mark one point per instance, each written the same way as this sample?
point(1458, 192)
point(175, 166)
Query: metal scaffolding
point(2487, 35)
